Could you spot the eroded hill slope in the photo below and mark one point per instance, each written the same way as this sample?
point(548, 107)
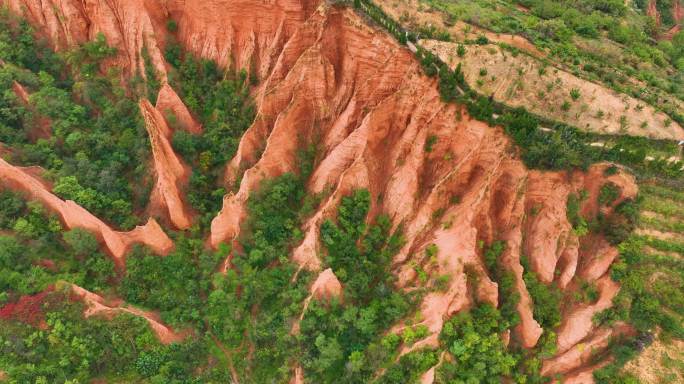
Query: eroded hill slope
point(455, 185)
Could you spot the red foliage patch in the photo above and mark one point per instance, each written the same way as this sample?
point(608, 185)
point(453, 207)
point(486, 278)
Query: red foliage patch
point(28, 309)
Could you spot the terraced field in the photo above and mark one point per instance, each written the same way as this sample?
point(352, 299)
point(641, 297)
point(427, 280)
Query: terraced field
point(662, 218)
point(661, 238)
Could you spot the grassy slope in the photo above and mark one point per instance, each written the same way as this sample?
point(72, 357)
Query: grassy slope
point(614, 49)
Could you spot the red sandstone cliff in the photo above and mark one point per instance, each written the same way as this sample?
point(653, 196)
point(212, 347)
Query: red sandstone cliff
point(171, 173)
point(677, 16)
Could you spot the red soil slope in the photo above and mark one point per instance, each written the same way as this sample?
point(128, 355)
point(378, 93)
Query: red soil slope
point(27, 309)
point(326, 74)
point(172, 174)
point(677, 16)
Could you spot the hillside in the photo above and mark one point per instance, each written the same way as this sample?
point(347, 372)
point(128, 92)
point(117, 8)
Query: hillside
point(296, 191)
point(626, 71)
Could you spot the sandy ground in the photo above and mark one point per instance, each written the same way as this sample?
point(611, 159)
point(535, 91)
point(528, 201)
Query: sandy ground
point(659, 363)
point(521, 80)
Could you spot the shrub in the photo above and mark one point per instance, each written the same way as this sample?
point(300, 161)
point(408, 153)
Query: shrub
point(608, 193)
point(493, 253)
point(172, 26)
point(336, 335)
point(575, 94)
point(546, 298)
point(579, 224)
point(410, 367)
point(430, 143)
point(81, 242)
point(460, 50)
point(618, 226)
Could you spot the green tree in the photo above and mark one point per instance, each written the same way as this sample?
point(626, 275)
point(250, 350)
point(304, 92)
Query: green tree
point(81, 241)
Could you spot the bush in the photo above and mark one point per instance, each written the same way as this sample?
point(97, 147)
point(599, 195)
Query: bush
point(83, 243)
point(410, 367)
point(546, 298)
point(575, 94)
point(11, 206)
point(493, 253)
point(360, 256)
point(172, 26)
point(99, 135)
point(262, 292)
point(460, 50)
point(430, 143)
point(173, 284)
point(573, 207)
point(618, 226)
point(608, 193)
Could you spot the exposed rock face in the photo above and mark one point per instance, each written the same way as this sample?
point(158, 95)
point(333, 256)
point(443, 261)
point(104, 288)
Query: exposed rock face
point(582, 353)
point(129, 25)
point(374, 111)
point(169, 102)
point(577, 324)
point(677, 16)
point(652, 11)
point(172, 174)
point(242, 33)
point(20, 92)
point(98, 306)
point(326, 285)
point(298, 377)
point(28, 309)
point(584, 375)
point(75, 216)
point(326, 75)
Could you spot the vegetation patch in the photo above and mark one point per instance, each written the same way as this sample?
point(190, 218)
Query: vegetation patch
point(98, 139)
point(220, 100)
point(341, 339)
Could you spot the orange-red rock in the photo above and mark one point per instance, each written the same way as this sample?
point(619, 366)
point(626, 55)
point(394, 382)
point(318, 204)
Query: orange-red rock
point(577, 324)
point(171, 173)
point(169, 103)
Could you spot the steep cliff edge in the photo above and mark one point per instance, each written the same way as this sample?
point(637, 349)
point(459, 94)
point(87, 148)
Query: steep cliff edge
point(171, 173)
point(240, 33)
